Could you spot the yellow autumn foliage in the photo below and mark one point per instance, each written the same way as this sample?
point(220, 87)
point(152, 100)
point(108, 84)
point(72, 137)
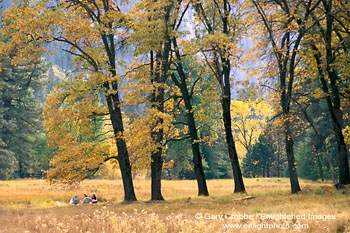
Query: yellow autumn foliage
point(249, 118)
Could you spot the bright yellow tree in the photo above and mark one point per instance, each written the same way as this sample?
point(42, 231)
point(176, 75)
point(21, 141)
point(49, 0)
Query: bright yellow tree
point(249, 119)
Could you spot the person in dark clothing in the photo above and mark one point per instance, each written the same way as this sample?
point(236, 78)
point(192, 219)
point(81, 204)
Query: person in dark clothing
point(94, 198)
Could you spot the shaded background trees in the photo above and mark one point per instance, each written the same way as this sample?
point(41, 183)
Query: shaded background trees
point(24, 151)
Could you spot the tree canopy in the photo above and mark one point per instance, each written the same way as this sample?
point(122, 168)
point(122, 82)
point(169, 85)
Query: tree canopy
point(158, 88)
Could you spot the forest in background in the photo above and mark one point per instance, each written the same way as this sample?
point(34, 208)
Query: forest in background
point(155, 89)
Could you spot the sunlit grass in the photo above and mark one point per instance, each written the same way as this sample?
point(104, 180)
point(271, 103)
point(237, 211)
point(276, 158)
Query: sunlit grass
point(30, 205)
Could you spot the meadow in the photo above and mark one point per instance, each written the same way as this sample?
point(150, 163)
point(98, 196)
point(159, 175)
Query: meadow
point(30, 206)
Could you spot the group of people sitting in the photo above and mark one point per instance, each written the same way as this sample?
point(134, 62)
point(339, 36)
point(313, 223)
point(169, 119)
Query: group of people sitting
point(75, 200)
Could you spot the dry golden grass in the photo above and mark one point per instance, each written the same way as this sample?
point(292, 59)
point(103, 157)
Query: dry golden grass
point(30, 206)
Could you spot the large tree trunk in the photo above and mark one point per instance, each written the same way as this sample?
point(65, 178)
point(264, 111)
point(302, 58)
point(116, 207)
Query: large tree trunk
point(157, 160)
point(226, 107)
point(156, 176)
point(159, 73)
point(125, 168)
point(293, 176)
point(222, 68)
point(343, 161)
point(286, 97)
point(225, 102)
point(294, 182)
point(158, 76)
point(287, 53)
point(336, 117)
point(197, 159)
point(334, 109)
point(123, 156)
point(344, 175)
point(334, 104)
point(113, 103)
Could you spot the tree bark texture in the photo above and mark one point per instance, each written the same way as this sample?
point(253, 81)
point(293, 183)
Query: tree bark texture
point(123, 155)
point(197, 158)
